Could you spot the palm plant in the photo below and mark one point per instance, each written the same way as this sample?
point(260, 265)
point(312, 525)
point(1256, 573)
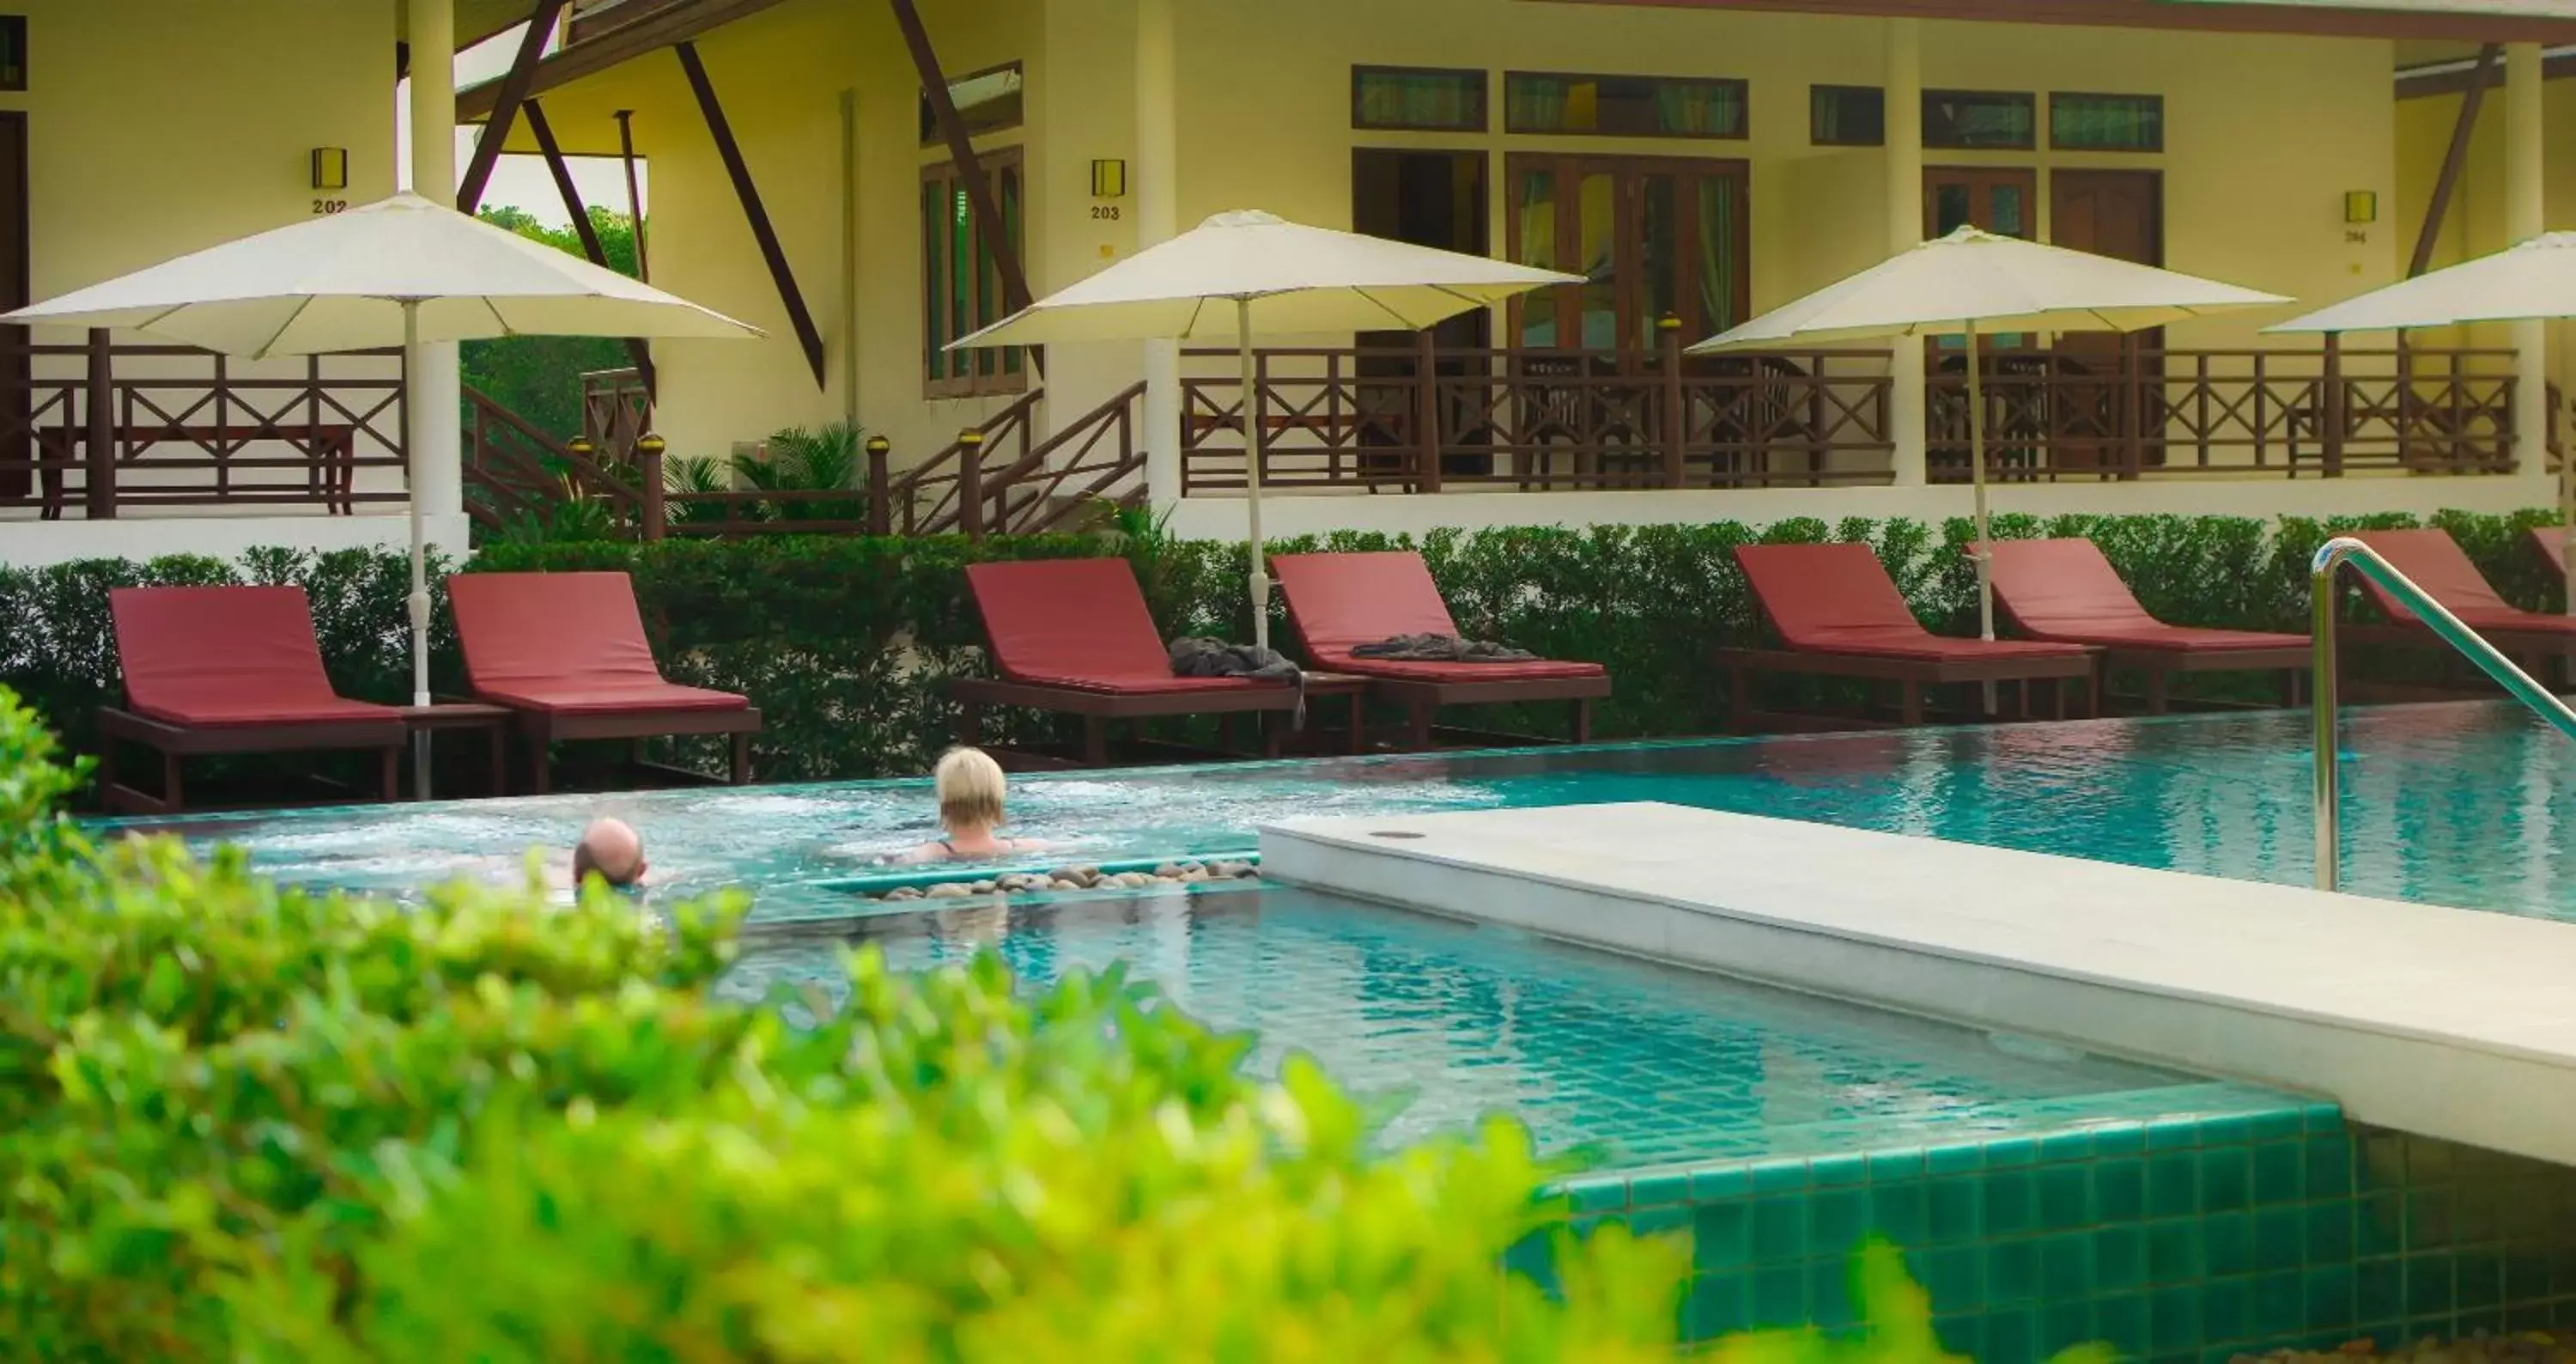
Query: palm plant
point(825, 460)
point(688, 478)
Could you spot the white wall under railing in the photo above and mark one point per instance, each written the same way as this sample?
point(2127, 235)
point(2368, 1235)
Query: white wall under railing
point(1221, 518)
point(149, 534)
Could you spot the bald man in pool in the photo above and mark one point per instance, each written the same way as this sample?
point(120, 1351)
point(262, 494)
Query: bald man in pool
point(612, 849)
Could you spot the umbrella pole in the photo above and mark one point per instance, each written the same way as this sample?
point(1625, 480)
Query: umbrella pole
point(1984, 556)
point(2566, 510)
point(416, 424)
point(1252, 473)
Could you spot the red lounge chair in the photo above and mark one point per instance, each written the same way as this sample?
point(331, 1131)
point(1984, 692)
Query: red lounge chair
point(1337, 602)
point(2437, 564)
point(1841, 616)
point(226, 670)
point(567, 653)
point(2065, 592)
point(1073, 636)
point(2551, 541)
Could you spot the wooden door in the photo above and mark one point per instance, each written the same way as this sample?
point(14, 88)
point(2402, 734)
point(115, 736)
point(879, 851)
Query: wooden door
point(1998, 199)
point(1653, 237)
point(2120, 214)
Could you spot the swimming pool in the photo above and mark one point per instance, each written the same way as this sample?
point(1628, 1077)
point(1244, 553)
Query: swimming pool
point(1446, 1022)
point(2044, 1197)
point(2469, 804)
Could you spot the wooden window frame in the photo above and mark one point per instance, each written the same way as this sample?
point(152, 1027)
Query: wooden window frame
point(1484, 99)
point(1743, 102)
point(2028, 98)
point(932, 136)
point(1010, 372)
point(1821, 88)
point(1569, 168)
point(2056, 146)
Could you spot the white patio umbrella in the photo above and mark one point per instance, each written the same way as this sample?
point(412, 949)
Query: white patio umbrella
point(400, 271)
point(2534, 281)
point(1974, 281)
point(1280, 277)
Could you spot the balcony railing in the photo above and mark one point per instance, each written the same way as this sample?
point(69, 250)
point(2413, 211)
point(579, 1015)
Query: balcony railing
point(98, 429)
point(1425, 419)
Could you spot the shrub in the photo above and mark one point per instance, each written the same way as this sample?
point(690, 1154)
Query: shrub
point(847, 642)
point(243, 1122)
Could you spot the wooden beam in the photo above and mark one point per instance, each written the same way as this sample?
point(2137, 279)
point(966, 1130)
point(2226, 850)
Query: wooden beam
point(2489, 57)
point(582, 227)
point(613, 47)
point(634, 191)
point(989, 226)
point(798, 315)
point(2454, 78)
point(2392, 19)
point(514, 90)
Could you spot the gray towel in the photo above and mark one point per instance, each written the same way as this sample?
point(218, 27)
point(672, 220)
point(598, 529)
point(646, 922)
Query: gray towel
point(1192, 657)
point(1441, 649)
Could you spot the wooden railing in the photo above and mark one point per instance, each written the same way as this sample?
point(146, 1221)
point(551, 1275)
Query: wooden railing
point(2130, 411)
point(999, 479)
point(1538, 420)
point(515, 472)
point(616, 409)
point(1365, 419)
point(100, 428)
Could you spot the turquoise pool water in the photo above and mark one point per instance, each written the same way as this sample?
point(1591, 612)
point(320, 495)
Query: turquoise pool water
point(1442, 1022)
point(2471, 805)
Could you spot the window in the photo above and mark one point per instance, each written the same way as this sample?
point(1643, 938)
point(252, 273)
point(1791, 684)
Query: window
point(1978, 118)
point(13, 52)
point(1846, 116)
point(987, 102)
point(962, 281)
point(1623, 106)
point(2107, 123)
point(1653, 237)
point(1435, 101)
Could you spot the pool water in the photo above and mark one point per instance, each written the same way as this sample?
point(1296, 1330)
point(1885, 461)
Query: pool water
point(2045, 1198)
point(2472, 805)
point(1441, 1022)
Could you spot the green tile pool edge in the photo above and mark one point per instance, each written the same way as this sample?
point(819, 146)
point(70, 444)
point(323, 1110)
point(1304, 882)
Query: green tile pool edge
point(2182, 1240)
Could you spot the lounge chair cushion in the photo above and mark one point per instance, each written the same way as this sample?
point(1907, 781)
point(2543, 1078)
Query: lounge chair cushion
point(1079, 623)
point(211, 657)
point(1838, 599)
point(565, 642)
point(2438, 565)
point(2065, 591)
point(1341, 601)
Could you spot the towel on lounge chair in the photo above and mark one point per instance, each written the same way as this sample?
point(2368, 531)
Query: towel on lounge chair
point(1196, 657)
point(1440, 649)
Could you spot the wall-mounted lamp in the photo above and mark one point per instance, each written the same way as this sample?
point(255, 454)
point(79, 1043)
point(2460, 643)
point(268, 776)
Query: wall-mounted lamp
point(330, 168)
point(2361, 206)
point(1108, 179)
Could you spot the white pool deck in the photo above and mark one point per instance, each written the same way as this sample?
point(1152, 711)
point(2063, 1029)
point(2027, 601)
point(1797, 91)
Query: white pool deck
point(2450, 1023)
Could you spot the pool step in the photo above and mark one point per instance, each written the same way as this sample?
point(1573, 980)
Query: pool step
point(2449, 1023)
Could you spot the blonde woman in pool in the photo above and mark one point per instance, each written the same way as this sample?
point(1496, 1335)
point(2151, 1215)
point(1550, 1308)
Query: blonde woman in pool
point(971, 788)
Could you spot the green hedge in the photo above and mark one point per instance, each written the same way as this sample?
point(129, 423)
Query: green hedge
point(846, 642)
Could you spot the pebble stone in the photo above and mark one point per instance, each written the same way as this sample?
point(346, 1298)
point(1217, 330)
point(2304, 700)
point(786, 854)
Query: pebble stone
point(1086, 877)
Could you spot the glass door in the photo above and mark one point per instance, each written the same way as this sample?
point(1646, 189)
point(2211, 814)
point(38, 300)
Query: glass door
point(1651, 236)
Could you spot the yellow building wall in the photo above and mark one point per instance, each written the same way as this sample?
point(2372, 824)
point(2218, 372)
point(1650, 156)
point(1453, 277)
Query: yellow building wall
point(157, 127)
point(2474, 224)
point(781, 77)
point(2264, 138)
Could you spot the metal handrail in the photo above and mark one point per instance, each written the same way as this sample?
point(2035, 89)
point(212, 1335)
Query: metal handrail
point(2329, 769)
